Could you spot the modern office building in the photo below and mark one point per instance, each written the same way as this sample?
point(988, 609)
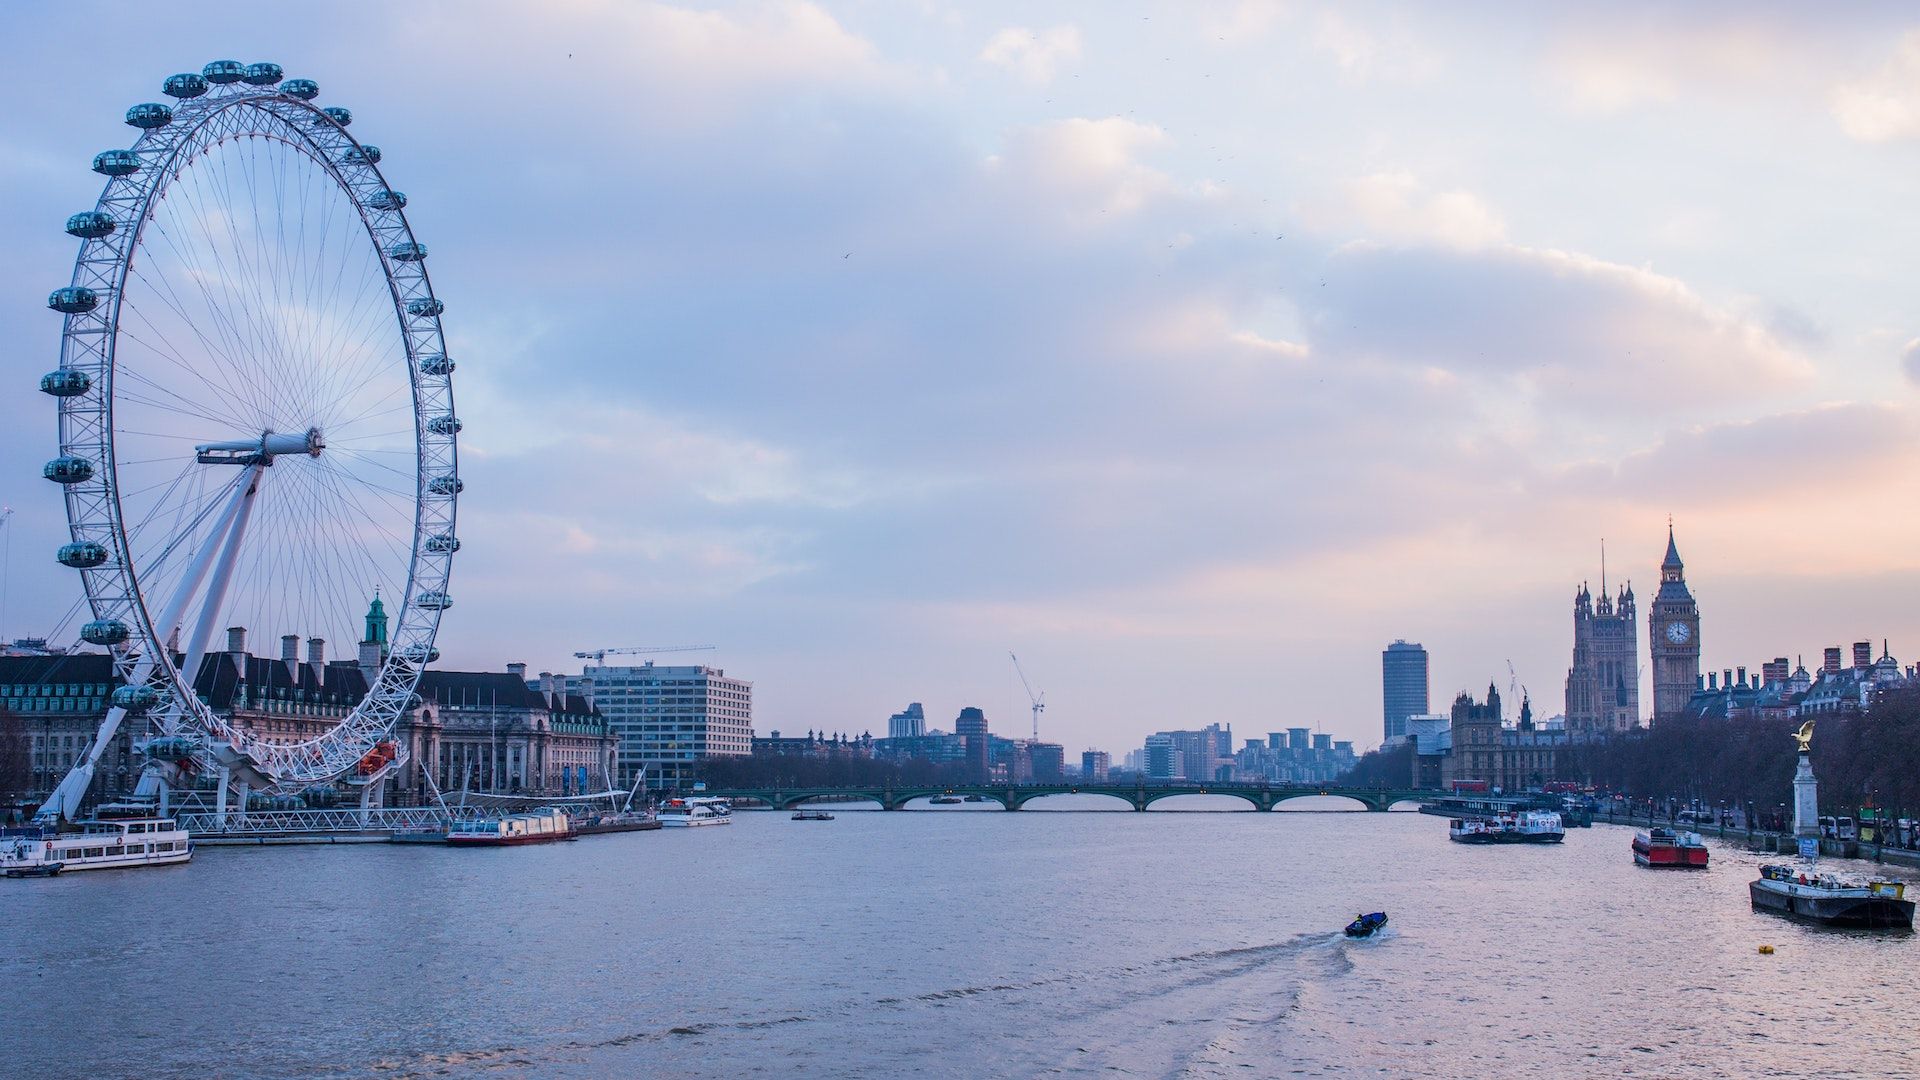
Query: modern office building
point(1048, 762)
point(669, 718)
point(971, 725)
point(908, 723)
point(1162, 760)
point(1094, 766)
point(1403, 686)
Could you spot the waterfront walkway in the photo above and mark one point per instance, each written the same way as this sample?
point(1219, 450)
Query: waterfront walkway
point(1762, 840)
point(1015, 796)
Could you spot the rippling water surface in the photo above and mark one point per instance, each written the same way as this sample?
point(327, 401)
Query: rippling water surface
point(944, 943)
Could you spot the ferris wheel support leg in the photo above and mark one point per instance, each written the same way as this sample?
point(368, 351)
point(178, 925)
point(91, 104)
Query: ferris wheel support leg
point(229, 550)
point(220, 798)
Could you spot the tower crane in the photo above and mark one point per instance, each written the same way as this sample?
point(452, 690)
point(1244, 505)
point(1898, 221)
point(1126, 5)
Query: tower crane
point(597, 655)
point(1039, 700)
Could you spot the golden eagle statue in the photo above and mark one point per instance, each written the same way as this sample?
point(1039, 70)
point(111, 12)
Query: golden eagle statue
point(1804, 736)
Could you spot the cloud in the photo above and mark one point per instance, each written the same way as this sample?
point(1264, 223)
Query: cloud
point(1555, 327)
point(1910, 361)
point(1033, 55)
point(1884, 106)
point(1396, 207)
point(1093, 165)
point(1618, 63)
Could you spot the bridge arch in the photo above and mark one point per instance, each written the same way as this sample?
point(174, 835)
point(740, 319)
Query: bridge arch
point(1401, 805)
point(1068, 800)
point(1255, 800)
point(849, 799)
point(1312, 802)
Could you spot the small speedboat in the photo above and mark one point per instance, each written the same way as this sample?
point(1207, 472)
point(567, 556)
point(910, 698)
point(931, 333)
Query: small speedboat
point(1365, 925)
point(45, 869)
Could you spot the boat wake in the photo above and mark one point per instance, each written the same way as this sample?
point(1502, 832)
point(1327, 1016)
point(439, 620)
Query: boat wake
point(1196, 1014)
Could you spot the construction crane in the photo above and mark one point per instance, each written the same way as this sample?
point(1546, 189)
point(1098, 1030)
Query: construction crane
point(598, 655)
point(1039, 700)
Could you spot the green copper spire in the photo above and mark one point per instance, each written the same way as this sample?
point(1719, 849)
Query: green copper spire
point(376, 623)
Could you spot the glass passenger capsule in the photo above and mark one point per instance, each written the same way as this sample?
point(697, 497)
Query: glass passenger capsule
point(91, 225)
point(187, 85)
point(435, 364)
point(446, 485)
point(338, 115)
point(224, 71)
point(387, 200)
point(425, 306)
point(136, 699)
point(408, 251)
point(444, 425)
point(433, 600)
point(420, 654)
point(116, 163)
point(304, 89)
point(82, 555)
point(263, 74)
point(169, 748)
point(150, 115)
point(365, 153)
point(68, 470)
point(443, 543)
point(105, 632)
point(73, 300)
point(65, 382)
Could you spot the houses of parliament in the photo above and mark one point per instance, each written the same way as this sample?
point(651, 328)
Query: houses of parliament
point(1603, 685)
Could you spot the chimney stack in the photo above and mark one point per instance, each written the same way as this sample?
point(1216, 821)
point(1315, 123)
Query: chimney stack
point(1713, 681)
point(547, 685)
point(317, 651)
point(1743, 676)
point(518, 671)
point(1863, 654)
point(290, 648)
point(236, 639)
point(1830, 660)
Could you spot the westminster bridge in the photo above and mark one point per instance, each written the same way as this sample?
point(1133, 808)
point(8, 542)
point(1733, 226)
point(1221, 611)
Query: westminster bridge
point(1014, 796)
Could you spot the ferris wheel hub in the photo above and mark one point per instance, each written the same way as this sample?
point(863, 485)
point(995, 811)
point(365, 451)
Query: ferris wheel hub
point(263, 450)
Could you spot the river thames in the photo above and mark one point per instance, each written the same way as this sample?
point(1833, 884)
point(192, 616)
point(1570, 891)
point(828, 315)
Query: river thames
point(947, 944)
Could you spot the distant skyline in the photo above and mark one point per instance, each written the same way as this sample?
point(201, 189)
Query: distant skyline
point(1194, 352)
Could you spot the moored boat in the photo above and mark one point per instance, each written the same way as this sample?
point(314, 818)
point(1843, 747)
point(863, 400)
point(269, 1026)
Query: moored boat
point(104, 843)
point(1526, 827)
point(945, 800)
point(1669, 848)
point(812, 815)
point(541, 826)
point(682, 813)
point(1831, 901)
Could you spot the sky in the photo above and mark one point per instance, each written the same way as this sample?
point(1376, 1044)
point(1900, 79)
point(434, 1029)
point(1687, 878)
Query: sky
point(1194, 351)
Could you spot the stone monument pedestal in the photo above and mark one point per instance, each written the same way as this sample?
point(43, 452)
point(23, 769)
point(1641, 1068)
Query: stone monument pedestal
point(1806, 808)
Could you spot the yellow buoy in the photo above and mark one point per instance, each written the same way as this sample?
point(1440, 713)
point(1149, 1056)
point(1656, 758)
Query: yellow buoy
point(1766, 950)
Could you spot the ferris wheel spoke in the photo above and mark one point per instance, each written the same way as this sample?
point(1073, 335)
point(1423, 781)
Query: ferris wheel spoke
point(218, 311)
point(165, 349)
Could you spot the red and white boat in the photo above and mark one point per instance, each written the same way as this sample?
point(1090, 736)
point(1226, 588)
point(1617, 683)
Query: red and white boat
point(1670, 848)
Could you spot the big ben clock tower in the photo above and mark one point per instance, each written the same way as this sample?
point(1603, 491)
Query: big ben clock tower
point(1673, 634)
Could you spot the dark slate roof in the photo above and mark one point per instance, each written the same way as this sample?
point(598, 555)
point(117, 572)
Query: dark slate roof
point(486, 689)
point(339, 683)
point(77, 667)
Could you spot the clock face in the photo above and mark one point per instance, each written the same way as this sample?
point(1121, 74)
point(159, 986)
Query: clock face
point(1679, 632)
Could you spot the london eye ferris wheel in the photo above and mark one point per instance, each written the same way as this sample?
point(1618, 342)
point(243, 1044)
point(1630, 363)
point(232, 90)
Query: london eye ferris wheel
point(256, 419)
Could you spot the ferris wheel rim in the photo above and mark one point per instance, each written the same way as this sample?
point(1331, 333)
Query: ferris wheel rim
point(89, 343)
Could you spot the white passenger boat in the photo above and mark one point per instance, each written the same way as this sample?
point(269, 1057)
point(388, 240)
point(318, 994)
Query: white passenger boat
point(679, 813)
point(541, 826)
point(104, 843)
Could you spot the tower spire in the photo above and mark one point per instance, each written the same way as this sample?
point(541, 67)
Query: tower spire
point(1603, 566)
